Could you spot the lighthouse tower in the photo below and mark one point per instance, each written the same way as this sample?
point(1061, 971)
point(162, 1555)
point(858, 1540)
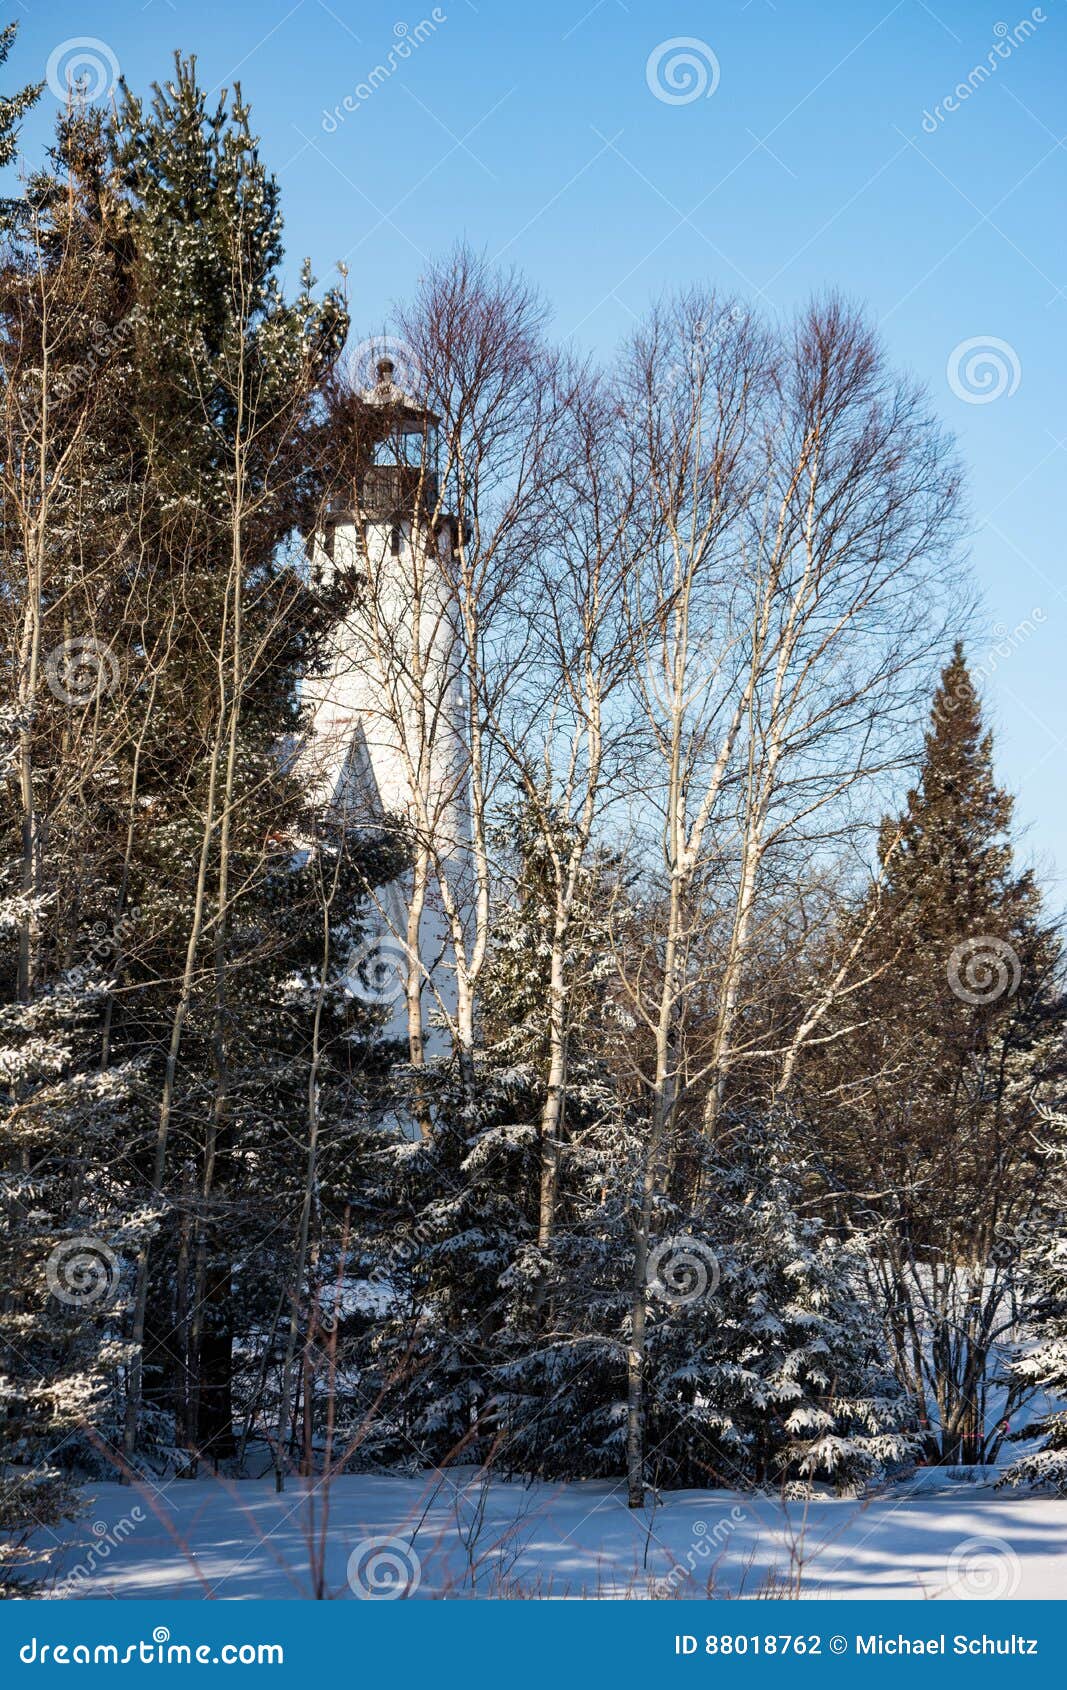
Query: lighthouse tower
point(387, 747)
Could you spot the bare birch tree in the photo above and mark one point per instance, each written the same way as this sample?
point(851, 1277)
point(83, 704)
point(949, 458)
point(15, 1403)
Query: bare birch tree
point(804, 507)
point(564, 721)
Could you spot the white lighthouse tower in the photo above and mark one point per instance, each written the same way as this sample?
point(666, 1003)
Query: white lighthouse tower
point(387, 746)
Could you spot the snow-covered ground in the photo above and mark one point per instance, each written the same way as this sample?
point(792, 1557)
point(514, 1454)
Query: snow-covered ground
point(455, 1535)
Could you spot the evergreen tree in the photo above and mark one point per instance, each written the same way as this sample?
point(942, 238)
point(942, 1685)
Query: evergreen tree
point(919, 1095)
point(65, 1198)
point(228, 373)
point(1040, 1361)
point(477, 1342)
point(70, 1202)
point(766, 1353)
point(13, 108)
point(181, 921)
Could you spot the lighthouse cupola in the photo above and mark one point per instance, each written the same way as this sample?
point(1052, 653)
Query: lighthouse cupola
point(397, 476)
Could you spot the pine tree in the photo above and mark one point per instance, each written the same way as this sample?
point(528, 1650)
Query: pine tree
point(70, 1203)
point(177, 468)
point(65, 1199)
point(765, 1347)
point(554, 1379)
point(484, 1341)
point(920, 1097)
point(1040, 1361)
point(228, 372)
point(13, 108)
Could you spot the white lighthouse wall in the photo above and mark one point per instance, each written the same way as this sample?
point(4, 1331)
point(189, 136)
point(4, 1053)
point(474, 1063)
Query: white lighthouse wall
point(387, 741)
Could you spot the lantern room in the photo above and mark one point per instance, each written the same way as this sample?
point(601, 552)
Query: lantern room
point(400, 462)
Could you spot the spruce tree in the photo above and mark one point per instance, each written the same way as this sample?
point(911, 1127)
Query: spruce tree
point(485, 1340)
point(766, 1357)
point(69, 1195)
point(919, 1098)
point(228, 864)
point(13, 108)
point(1039, 1364)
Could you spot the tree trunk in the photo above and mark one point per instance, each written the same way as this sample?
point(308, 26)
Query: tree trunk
point(552, 1113)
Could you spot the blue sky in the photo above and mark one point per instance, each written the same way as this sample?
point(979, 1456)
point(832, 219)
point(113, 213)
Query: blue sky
point(817, 149)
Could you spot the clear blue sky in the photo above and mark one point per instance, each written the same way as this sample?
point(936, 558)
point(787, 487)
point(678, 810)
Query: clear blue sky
point(532, 130)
